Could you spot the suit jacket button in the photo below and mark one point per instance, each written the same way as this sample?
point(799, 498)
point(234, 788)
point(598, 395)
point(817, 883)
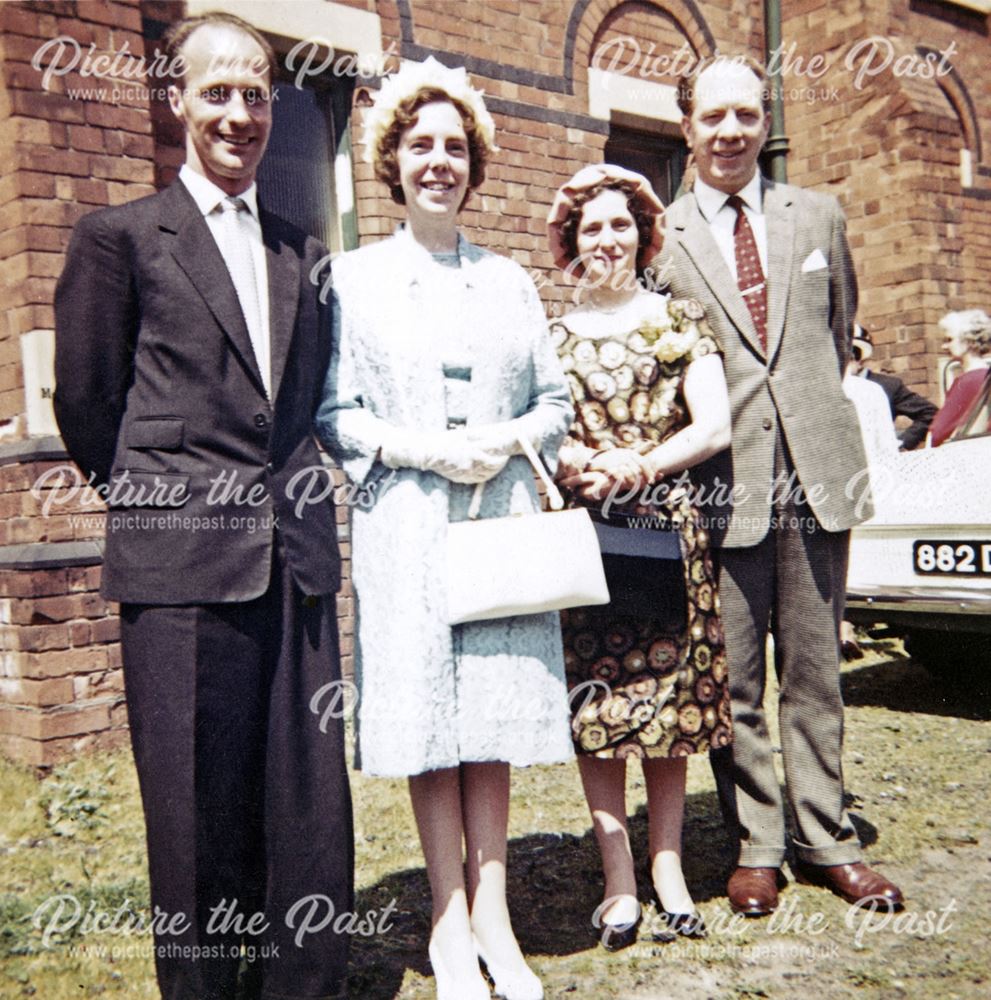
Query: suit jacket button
point(261, 420)
point(270, 468)
point(766, 423)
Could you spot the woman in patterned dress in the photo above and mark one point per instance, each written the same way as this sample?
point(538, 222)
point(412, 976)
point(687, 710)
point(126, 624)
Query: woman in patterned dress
point(651, 401)
point(441, 360)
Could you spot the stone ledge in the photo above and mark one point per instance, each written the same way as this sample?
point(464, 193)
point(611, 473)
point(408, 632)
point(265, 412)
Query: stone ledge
point(38, 449)
point(51, 555)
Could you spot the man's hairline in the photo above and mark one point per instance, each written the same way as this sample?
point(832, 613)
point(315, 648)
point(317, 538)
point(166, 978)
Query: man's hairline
point(729, 61)
point(223, 25)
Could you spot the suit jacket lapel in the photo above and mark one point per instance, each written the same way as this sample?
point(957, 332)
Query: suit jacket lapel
point(197, 253)
point(696, 237)
point(283, 295)
point(780, 219)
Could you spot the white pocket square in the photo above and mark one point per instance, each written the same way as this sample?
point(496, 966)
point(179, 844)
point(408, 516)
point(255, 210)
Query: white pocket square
point(814, 262)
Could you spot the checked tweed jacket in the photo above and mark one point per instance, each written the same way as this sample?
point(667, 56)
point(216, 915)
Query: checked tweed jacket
point(812, 299)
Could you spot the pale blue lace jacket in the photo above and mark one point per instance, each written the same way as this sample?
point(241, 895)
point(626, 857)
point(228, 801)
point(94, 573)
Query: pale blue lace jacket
point(431, 696)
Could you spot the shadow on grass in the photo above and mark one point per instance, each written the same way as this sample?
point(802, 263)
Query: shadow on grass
point(555, 884)
point(902, 685)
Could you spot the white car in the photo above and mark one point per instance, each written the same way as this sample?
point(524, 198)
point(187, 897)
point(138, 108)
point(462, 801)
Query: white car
point(922, 564)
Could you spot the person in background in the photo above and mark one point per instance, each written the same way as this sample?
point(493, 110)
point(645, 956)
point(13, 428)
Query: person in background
point(648, 387)
point(191, 347)
point(902, 401)
point(968, 342)
point(771, 266)
point(881, 445)
point(442, 361)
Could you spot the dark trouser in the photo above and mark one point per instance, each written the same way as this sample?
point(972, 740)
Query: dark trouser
point(246, 801)
point(794, 583)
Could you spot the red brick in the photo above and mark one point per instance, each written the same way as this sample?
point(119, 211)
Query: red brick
point(88, 138)
point(121, 168)
point(23, 751)
point(20, 21)
point(63, 608)
point(129, 119)
point(52, 107)
point(43, 637)
point(86, 34)
point(105, 630)
point(55, 691)
point(59, 663)
point(80, 634)
point(20, 48)
point(57, 161)
point(101, 684)
point(32, 583)
point(54, 751)
point(89, 192)
point(74, 721)
point(83, 578)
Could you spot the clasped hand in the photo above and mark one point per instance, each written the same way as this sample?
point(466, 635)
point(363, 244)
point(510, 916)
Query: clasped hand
point(453, 454)
point(621, 469)
point(463, 458)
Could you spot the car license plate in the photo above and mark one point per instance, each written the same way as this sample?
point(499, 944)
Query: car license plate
point(935, 558)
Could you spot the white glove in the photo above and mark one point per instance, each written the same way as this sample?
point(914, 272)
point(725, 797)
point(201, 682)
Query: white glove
point(448, 453)
point(502, 437)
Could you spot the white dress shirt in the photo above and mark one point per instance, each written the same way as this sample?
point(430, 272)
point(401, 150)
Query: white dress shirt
point(208, 198)
point(722, 218)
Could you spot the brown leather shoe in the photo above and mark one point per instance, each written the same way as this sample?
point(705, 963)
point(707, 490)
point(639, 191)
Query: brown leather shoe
point(753, 891)
point(855, 883)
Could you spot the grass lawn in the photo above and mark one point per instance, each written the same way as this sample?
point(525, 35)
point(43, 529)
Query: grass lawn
point(917, 771)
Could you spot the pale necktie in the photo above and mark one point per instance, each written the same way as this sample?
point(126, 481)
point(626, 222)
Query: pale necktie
point(749, 273)
point(238, 237)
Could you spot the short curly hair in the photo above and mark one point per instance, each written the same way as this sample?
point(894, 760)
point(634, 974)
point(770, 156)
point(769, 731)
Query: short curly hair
point(974, 326)
point(643, 218)
point(386, 161)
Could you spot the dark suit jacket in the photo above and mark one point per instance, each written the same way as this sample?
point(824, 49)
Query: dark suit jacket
point(905, 403)
point(159, 398)
point(812, 299)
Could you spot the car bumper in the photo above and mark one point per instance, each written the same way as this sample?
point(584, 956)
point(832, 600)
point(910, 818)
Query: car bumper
point(944, 608)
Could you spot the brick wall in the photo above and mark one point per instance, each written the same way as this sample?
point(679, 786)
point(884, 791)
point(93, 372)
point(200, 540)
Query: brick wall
point(890, 150)
point(60, 678)
point(889, 146)
point(60, 157)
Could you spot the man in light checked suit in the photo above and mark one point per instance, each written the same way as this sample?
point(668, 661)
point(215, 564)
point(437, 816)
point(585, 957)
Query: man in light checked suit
point(796, 471)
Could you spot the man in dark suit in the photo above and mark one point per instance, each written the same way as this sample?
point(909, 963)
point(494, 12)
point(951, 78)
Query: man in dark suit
point(191, 347)
point(796, 446)
point(901, 399)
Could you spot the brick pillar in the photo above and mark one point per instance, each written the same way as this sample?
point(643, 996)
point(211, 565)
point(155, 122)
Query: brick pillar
point(69, 142)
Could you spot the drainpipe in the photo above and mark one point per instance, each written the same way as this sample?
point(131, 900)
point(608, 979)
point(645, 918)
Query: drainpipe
point(776, 147)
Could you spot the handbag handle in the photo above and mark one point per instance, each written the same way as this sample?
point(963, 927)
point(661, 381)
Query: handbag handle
point(553, 493)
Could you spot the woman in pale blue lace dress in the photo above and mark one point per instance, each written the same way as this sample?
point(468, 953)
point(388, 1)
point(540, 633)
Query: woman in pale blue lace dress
point(442, 358)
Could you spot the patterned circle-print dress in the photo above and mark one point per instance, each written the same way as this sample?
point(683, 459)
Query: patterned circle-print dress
point(637, 690)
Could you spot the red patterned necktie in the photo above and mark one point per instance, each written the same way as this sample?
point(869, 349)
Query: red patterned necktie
point(749, 274)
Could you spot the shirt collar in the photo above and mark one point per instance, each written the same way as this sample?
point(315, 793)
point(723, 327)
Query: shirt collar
point(710, 200)
point(208, 196)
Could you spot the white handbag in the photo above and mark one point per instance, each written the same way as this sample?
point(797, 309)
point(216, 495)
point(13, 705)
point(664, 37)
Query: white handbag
point(523, 565)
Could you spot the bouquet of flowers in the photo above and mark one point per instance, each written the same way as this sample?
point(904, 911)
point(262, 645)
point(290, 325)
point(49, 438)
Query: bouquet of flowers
point(672, 329)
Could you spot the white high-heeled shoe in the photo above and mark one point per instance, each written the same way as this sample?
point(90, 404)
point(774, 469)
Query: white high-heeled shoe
point(448, 988)
point(522, 984)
